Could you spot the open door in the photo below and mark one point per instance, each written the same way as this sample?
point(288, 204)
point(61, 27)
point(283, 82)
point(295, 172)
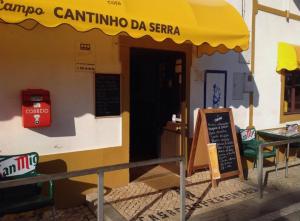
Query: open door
point(157, 93)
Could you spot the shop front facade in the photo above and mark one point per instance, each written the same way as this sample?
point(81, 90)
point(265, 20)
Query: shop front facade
point(279, 21)
point(150, 80)
point(264, 100)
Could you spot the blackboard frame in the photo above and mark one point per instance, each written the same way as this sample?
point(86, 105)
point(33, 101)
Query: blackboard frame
point(201, 139)
point(108, 76)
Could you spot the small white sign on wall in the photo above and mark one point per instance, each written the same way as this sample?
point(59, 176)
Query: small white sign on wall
point(83, 67)
point(85, 57)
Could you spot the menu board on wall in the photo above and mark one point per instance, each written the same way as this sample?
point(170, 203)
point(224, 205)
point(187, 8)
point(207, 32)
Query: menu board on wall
point(107, 95)
point(216, 126)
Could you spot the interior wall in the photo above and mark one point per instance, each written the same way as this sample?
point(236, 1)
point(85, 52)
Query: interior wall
point(45, 58)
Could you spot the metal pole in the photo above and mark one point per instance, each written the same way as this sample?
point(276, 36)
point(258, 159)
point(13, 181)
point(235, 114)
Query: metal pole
point(182, 189)
point(100, 214)
point(287, 153)
point(260, 170)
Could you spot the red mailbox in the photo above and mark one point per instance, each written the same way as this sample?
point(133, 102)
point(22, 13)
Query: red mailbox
point(36, 108)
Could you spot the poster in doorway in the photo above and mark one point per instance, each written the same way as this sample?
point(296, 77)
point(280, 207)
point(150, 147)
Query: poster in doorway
point(215, 88)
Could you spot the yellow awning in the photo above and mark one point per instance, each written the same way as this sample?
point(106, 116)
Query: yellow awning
point(288, 57)
point(214, 23)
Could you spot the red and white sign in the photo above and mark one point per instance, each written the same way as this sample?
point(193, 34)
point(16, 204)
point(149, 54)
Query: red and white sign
point(18, 165)
point(248, 134)
point(36, 108)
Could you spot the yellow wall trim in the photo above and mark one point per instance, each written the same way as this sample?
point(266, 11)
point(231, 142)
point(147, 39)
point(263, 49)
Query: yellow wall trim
point(278, 12)
point(70, 192)
point(251, 97)
point(285, 117)
point(259, 7)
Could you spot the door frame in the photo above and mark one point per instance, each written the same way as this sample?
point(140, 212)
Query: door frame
point(125, 43)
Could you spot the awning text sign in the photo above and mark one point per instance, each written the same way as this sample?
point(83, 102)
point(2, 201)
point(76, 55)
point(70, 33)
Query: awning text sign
point(69, 15)
point(217, 25)
point(115, 21)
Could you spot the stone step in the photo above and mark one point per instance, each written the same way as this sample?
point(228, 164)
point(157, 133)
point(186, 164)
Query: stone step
point(91, 196)
point(110, 214)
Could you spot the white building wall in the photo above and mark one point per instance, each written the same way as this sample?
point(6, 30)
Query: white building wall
point(290, 5)
point(279, 4)
point(45, 58)
point(27, 61)
point(231, 62)
point(270, 29)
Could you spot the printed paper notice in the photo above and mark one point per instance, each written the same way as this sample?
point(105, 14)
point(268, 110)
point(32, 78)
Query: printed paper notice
point(214, 163)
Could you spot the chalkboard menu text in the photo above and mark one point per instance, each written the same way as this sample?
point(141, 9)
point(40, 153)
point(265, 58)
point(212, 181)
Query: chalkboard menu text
point(216, 126)
point(219, 132)
point(107, 95)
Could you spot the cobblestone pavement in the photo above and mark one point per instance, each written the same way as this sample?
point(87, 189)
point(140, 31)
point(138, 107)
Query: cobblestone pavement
point(279, 183)
point(231, 200)
point(80, 213)
point(281, 201)
point(140, 201)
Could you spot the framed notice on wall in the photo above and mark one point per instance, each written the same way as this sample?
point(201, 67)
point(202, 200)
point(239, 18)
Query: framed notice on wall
point(215, 88)
point(107, 95)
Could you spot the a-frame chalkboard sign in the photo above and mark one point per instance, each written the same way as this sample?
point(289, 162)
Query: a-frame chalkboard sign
point(216, 126)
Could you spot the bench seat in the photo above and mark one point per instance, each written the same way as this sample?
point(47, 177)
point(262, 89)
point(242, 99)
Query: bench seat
point(25, 197)
point(26, 204)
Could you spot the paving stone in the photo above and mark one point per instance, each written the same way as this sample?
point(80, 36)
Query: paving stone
point(76, 213)
point(147, 203)
point(231, 200)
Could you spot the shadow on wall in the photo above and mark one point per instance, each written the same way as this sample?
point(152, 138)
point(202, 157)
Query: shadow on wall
point(71, 93)
point(68, 193)
point(297, 3)
point(222, 80)
point(61, 127)
point(66, 102)
point(62, 113)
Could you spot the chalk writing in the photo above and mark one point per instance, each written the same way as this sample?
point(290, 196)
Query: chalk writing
point(219, 131)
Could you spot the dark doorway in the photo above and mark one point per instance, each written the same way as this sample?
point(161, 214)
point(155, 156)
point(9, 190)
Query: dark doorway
point(156, 91)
